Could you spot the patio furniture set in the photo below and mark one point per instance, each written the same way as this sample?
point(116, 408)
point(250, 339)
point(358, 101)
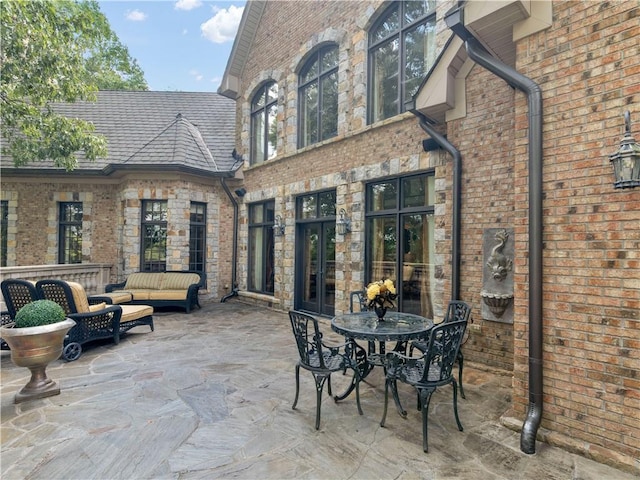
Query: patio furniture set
point(106, 316)
point(439, 346)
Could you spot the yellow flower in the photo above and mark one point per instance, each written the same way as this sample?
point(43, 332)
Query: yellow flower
point(373, 290)
point(389, 284)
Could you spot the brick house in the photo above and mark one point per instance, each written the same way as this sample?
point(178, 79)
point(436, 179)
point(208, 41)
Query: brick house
point(160, 200)
point(384, 116)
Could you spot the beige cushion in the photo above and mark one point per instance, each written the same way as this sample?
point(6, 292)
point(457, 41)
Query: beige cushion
point(146, 280)
point(79, 297)
point(168, 294)
point(118, 296)
point(177, 281)
point(134, 312)
point(141, 294)
point(97, 307)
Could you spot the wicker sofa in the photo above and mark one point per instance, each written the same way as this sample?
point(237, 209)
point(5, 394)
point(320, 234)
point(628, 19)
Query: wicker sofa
point(158, 289)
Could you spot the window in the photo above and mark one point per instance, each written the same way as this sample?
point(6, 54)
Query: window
point(70, 233)
point(261, 260)
point(153, 257)
point(197, 236)
point(318, 97)
point(400, 239)
point(264, 109)
point(401, 51)
point(4, 231)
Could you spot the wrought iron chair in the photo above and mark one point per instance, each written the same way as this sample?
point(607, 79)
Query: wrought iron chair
point(428, 372)
point(16, 293)
point(358, 301)
point(322, 359)
point(456, 310)
point(93, 322)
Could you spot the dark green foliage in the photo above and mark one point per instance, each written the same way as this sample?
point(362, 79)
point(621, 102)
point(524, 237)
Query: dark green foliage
point(40, 312)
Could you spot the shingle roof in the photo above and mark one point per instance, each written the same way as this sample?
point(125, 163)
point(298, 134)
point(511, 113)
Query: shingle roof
point(150, 129)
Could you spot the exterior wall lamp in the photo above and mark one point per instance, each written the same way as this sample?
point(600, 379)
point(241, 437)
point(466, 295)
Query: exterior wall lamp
point(343, 223)
point(626, 161)
point(278, 226)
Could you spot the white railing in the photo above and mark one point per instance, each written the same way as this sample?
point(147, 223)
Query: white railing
point(92, 276)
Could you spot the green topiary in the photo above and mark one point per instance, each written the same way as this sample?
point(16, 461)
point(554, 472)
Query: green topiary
point(40, 312)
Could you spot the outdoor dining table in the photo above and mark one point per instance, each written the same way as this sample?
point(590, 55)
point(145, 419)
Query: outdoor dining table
point(396, 327)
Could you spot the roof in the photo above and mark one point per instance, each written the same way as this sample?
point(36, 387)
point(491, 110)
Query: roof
point(191, 131)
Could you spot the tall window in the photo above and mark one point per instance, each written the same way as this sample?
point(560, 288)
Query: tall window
point(4, 231)
point(264, 133)
point(318, 97)
point(261, 260)
point(153, 255)
point(400, 239)
point(70, 233)
point(401, 51)
point(197, 236)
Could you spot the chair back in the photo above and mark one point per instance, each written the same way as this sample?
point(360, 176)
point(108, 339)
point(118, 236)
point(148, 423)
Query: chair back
point(308, 339)
point(358, 301)
point(457, 310)
point(17, 293)
point(58, 291)
point(442, 349)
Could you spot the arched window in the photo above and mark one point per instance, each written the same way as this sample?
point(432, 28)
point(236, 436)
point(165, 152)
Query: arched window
point(318, 97)
point(264, 132)
point(401, 51)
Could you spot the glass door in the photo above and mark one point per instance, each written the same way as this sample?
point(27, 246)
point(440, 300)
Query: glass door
point(317, 272)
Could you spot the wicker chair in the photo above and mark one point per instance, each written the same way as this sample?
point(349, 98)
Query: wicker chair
point(16, 293)
point(93, 322)
point(321, 359)
point(457, 310)
point(427, 373)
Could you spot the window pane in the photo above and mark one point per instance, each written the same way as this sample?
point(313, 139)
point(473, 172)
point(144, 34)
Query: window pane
point(258, 101)
point(272, 112)
point(256, 213)
point(414, 10)
point(329, 59)
point(382, 196)
point(197, 237)
point(327, 204)
point(329, 114)
point(260, 275)
point(388, 25)
point(272, 93)
point(70, 233)
point(4, 231)
point(418, 191)
point(386, 61)
point(309, 111)
point(310, 71)
point(419, 55)
point(382, 237)
point(307, 207)
point(258, 137)
point(154, 236)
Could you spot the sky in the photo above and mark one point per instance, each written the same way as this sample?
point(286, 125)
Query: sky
point(180, 45)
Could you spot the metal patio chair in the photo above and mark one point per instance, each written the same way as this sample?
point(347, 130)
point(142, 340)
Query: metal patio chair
point(427, 373)
point(322, 359)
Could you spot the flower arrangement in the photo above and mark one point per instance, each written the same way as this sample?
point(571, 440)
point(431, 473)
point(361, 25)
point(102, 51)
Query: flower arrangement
point(381, 294)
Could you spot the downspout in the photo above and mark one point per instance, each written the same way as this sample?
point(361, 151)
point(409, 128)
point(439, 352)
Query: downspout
point(234, 283)
point(455, 21)
point(457, 200)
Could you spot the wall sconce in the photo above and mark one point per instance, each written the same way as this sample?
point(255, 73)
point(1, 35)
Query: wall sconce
point(278, 226)
point(626, 161)
point(343, 224)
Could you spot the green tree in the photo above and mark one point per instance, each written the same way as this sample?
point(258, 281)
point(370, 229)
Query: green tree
point(56, 51)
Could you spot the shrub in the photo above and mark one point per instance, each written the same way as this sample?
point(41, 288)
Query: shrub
point(40, 312)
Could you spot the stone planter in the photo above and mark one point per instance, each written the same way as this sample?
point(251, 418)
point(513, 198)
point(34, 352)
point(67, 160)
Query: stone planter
point(35, 348)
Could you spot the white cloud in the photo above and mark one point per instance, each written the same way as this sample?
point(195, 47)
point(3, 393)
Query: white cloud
point(184, 31)
point(135, 15)
point(222, 27)
point(196, 75)
point(187, 4)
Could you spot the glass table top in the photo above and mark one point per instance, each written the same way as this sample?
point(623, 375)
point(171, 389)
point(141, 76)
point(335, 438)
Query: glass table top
point(396, 326)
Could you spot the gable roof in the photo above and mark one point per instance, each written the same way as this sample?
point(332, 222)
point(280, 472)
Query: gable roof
point(147, 130)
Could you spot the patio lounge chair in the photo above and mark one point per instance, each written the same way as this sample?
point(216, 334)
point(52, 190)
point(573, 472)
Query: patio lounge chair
point(427, 373)
point(93, 322)
point(16, 293)
point(321, 359)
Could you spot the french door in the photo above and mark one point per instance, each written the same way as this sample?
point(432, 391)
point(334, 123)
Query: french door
point(316, 255)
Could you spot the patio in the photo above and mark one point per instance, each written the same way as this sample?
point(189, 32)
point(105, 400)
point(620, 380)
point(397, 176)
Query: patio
point(208, 395)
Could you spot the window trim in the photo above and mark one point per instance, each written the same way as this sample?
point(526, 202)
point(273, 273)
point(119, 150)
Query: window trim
point(266, 225)
point(143, 223)
point(198, 225)
point(64, 249)
point(254, 113)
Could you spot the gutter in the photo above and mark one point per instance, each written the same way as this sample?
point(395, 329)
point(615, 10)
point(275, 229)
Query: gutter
point(234, 283)
point(441, 140)
point(455, 21)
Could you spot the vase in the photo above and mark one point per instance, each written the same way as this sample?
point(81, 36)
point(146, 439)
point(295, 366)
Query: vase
point(380, 312)
point(35, 348)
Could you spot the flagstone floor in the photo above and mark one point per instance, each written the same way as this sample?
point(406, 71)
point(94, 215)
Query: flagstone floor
point(208, 395)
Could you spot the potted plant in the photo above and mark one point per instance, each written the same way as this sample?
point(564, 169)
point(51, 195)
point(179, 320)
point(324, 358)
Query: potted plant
point(36, 338)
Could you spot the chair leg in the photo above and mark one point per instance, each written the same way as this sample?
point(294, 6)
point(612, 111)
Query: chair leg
point(386, 402)
point(425, 399)
point(460, 360)
point(320, 379)
point(455, 403)
point(295, 401)
point(358, 392)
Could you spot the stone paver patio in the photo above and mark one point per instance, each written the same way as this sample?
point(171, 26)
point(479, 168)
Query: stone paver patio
point(208, 395)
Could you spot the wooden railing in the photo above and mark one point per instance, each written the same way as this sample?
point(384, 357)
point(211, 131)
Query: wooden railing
point(92, 276)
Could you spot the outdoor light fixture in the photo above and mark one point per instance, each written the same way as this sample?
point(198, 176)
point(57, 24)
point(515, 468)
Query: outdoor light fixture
point(343, 224)
point(278, 226)
point(626, 161)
